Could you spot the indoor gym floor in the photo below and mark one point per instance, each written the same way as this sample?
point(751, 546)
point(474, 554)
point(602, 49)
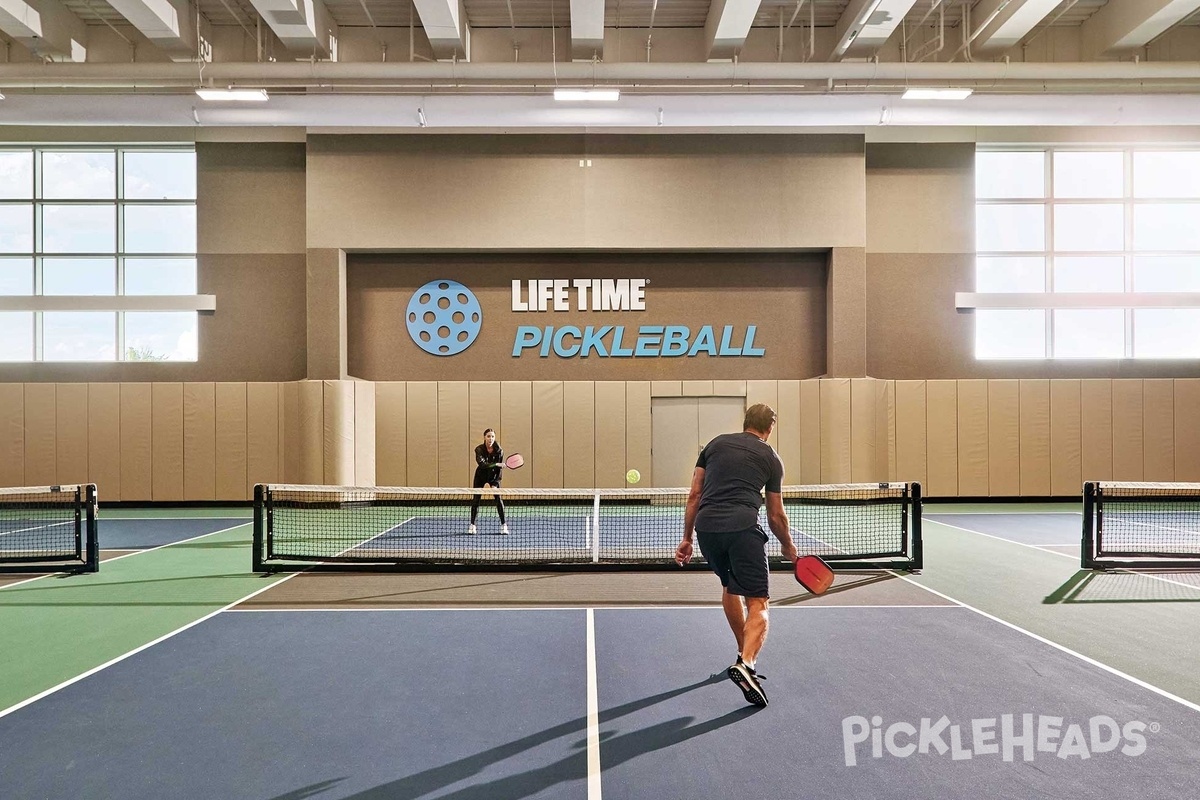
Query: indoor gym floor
point(175, 672)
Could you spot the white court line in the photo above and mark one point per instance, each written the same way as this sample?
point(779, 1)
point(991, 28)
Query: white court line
point(926, 513)
point(708, 607)
point(1042, 548)
point(593, 712)
point(1063, 648)
point(137, 650)
point(126, 555)
point(38, 527)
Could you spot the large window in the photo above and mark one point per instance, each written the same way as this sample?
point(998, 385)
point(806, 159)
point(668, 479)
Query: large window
point(1120, 221)
point(79, 224)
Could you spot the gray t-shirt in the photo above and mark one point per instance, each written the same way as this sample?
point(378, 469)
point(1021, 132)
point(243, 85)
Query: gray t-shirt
point(737, 467)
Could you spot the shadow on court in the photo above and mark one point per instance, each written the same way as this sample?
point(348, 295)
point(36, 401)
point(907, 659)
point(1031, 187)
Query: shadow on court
point(856, 581)
point(618, 748)
point(1086, 586)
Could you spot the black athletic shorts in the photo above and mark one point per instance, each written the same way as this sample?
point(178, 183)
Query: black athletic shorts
point(739, 559)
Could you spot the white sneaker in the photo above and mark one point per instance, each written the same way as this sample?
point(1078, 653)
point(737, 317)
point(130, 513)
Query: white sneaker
point(471, 530)
point(504, 529)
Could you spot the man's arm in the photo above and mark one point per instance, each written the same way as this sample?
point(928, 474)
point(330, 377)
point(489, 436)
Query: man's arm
point(683, 553)
point(778, 520)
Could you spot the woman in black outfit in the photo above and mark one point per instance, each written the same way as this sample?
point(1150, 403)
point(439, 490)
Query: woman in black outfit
point(488, 459)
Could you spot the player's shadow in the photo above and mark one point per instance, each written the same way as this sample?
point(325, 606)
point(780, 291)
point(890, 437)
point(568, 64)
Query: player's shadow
point(617, 749)
point(844, 582)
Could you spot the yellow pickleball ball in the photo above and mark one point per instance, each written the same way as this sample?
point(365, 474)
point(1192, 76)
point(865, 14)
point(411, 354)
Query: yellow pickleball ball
point(633, 476)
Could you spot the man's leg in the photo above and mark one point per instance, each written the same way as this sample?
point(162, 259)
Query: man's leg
point(754, 634)
point(735, 613)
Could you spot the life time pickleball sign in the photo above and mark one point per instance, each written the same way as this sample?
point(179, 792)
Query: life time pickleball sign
point(444, 317)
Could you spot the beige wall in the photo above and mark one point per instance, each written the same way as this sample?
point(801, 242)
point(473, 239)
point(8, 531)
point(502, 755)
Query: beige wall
point(530, 192)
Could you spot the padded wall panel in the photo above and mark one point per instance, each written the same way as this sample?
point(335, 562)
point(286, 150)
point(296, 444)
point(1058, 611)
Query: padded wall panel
point(71, 432)
point(456, 445)
point(579, 434)
point(864, 444)
point(1096, 422)
point(516, 418)
point(41, 458)
point(1187, 429)
point(835, 430)
point(311, 431)
point(1066, 438)
point(12, 434)
point(232, 442)
point(810, 433)
point(136, 465)
point(610, 434)
point(104, 439)
point(1128, 414)
point(364, 434)
point(262, 435)
point(167, 441)
point(391, 433)
point(1035, 438)
point(973, 451)
point(910, 432)
point(787, 429)
point(421, 433)
point(637, 427)
point(200, 442)
point(1158, 426)
point(941, 425)
point(548, 421)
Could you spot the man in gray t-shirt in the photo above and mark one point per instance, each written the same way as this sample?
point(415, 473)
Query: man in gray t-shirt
point(731, 474)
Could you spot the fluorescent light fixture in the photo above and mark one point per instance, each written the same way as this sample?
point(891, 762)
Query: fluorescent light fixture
point(587, 95)
point(936, 94)
point(242, 95)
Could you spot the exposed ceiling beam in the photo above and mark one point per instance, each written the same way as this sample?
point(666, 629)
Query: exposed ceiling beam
point(727, 27)
point(167, 23)
point(445, 23)
point(1130, 24)
point(879, 22)
point(304, 26)
point(46, 27)
point(587, 29)
point(1000, 24)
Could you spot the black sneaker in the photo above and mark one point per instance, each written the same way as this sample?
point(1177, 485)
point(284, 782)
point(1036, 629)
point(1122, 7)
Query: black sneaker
point(753, 671)
point(747, 681)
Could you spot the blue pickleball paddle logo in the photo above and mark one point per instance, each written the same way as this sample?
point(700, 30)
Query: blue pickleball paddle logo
point(443, 317)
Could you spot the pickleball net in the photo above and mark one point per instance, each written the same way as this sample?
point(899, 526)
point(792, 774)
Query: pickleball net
point(1141, 524)
point(855, 526)
point(48, 529)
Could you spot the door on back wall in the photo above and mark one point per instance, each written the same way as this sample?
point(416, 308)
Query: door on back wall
point(680, 427)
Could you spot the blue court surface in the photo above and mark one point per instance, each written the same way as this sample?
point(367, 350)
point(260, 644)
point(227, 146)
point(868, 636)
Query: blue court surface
point(123, 533)
point(1042, 530)
point(866, 702)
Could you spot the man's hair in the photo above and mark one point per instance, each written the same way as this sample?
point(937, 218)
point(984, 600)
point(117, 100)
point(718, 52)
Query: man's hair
point(759, 417)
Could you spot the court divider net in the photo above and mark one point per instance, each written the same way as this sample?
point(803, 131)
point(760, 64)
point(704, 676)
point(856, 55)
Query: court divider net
point(1141, 524)
point(49, 529)
point(854, 526)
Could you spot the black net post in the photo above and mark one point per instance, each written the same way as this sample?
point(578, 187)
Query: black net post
point(91, 503)
point(1088, 546)
point(918, 548)
point(257, 541)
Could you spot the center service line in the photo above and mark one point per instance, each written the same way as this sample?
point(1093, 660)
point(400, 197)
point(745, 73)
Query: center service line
point(593, 712)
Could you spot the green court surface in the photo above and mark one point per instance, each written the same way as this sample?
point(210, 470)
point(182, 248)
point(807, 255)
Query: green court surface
point(61, 627)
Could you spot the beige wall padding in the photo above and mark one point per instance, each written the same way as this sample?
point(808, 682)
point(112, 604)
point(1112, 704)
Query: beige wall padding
point(729, 388)
point(421, 434)
point(311, 432)
point(1187, 429)
point(391, 433)
point(579, 434)
point(71, 433)
point(835, 431)
point(969, 438)
point(910, 432)
point(1128, 430)
point(12, 434)
point(232, 442)
point(1096, 419)
point(864, 441)
point(200, 441)
point(364, 434)
point(1158, 415)
point(516, 425)
point(136, 471)
point(668, 388)
point(456, 464)
point(41, 461)
point(1066, 437)
point(104, 439)
point(941, 406)
point(610, 434)
point(1003, 438)
point(788, 429)
point(810, 433)
point(291, 444)
point(637, 427)
point(973, 438)
point(699, 388)
point(1035, 438)
point(166, 441)
point(262, 435)
point(548, 421)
